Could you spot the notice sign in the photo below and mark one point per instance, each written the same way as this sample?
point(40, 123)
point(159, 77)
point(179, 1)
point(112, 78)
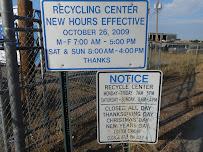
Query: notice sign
point(128, 106)
point(92, 35)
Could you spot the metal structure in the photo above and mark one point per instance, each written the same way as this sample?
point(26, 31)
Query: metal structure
point(40, 103)
point(13, 79)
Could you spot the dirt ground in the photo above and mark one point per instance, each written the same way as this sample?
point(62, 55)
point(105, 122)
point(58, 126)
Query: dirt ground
point(183, 103)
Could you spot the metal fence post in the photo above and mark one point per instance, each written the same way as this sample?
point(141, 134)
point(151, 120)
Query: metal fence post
point(13, 75)
point(3, 114)
point(66, 114)
point(159, 58)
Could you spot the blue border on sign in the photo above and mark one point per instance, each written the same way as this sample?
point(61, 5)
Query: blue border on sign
point(93, 69)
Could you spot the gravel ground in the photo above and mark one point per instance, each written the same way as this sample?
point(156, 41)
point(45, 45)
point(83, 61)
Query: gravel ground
point(192, 135)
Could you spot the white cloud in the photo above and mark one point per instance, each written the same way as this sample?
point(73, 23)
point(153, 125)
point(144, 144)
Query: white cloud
point(182, 7)
point(183, 17)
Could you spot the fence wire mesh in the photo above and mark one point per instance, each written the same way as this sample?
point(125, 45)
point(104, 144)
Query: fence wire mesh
point(42, 105)
point(41, 97)
point(40, 91)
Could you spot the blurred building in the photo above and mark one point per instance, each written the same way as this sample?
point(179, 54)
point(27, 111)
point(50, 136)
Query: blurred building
point(163, 37)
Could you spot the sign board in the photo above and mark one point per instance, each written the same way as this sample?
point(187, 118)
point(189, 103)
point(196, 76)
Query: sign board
point(95, 35)
point(128, 106)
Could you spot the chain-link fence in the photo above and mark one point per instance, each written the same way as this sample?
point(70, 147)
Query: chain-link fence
point(181, 95)
point(41, 97)
point(42, 105)
point(40, 91)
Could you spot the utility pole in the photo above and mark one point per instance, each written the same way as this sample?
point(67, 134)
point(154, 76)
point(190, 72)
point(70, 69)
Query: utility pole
point(26, 40)
point(27, 56)
point(157, 21)
point(157, 50)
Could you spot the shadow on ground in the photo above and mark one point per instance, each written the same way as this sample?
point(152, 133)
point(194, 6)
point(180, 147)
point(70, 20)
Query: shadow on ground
point(191, 135)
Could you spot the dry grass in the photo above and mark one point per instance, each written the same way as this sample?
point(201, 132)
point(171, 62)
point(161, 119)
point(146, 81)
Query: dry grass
point(173, 65)
point(176, 64)
point(142, 148)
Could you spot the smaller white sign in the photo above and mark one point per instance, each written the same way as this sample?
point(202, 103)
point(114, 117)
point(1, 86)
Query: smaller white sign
point(128, 106)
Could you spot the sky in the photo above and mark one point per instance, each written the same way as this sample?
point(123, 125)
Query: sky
point(181, 17)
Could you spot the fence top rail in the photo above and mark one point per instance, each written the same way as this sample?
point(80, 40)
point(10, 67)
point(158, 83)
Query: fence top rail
point(27, 29)
point(27, 18)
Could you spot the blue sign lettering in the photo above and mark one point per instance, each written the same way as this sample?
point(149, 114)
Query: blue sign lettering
point(124, 78)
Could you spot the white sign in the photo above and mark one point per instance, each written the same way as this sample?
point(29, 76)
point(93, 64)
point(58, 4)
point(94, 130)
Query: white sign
point(93, 35)
point(128, 106)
